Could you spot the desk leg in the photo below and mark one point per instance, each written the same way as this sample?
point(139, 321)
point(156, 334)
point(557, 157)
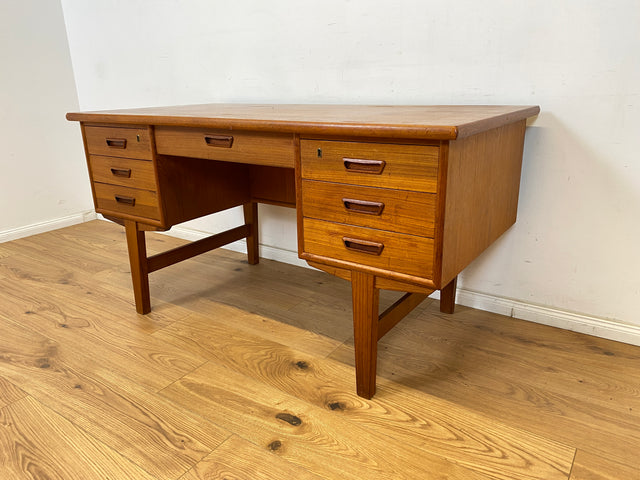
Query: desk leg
point(365, 331)
point(251, 219)
point(448, 297)
point(139, 266)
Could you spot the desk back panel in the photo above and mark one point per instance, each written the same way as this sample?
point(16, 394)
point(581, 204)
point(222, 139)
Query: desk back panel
point(193, 187)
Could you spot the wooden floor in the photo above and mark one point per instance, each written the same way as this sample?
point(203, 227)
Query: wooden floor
point(246, 372)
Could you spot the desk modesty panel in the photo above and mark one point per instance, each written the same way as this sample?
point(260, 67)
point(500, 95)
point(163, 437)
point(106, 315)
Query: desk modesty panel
point(387, 197)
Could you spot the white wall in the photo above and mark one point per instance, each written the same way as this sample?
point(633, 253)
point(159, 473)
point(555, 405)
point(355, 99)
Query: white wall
point(43, 178)
point(574, 247)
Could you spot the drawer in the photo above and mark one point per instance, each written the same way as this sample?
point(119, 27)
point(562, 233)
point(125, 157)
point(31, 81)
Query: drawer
point(404, 167)
point(394, 210)
point(123, 171)
point(115, 199)
point(119, 142)
point(395, 252)
point(260, 148)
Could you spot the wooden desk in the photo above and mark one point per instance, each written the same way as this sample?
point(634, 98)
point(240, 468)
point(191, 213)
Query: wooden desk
point(388, 197)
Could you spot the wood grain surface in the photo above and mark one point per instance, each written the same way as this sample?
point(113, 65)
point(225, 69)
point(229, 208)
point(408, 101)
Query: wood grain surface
point(37, 443)
point(439, 122)
point(245, 372)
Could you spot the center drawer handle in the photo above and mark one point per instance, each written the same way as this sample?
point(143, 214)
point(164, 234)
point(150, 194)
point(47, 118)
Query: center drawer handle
point(363, 246)
point(224, 141)
point(125, 200)
point(117, 142)
point(121, 172)
point(359, 165)
point(363, 206)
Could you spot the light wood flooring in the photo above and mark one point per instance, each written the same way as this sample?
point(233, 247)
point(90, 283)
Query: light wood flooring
point(246, 372)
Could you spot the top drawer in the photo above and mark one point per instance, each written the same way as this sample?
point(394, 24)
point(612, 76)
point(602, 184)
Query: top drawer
point(260, 148)
point(401, 167)
point(119, 142)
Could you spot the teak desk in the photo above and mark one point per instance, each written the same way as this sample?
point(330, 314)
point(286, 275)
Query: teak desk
point(388, 197)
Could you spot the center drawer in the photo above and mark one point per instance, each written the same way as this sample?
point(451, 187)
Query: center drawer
point(260, 148)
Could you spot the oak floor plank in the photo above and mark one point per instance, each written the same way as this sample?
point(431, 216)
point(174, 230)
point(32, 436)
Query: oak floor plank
point(267, 328)
point(312, 438)
point(37, 443)
point(32, 270)
point(589, 466)
point(564, 362)
point(69, 314)
point(9, 393)
point(145, 428)
point(438, 427)
point(289, 350)
point(238, 284)
point(468, 366)
point(238, 459)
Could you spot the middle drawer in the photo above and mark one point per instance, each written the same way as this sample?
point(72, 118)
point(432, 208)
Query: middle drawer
point(123, 171)
point(260, 148)
point(393, 210)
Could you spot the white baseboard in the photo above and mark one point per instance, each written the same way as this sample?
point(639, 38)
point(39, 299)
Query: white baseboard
point(576, 322)
point(47, 226)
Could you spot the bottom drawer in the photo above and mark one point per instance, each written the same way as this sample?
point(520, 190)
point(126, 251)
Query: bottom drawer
point(115, 199)
point(395, 252)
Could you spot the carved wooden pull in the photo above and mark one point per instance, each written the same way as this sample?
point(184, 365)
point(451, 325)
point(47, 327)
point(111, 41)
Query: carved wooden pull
point(363, 246)
point(121, 172)
point(359, 165)
point(117, 142)
point(224, 141)
point(363, 206)
point(124, 200)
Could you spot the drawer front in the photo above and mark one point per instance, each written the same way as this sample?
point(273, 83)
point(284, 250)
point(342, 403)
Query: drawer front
point(394, 210)
point(258, 148)
point(123, 171)
point(115, 199)
point(404, 167)
point(119, 142)
point(395, 252)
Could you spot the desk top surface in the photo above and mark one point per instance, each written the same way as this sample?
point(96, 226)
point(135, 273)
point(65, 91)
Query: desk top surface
point(432, 122)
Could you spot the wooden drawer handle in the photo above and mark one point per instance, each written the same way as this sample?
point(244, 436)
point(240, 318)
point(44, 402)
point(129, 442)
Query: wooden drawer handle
point(125, 200)
point(363, 246)
point(224, 141)
point(117, 142)
point(359, 165)
point(363, 206)
point(121, 172)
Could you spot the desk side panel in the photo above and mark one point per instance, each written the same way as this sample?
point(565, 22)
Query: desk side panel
point(483, 183)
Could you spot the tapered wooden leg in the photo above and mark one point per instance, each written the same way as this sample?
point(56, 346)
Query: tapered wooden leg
point(139, 266)
point(448, 297)
point(251, 219)
point(365, 331)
